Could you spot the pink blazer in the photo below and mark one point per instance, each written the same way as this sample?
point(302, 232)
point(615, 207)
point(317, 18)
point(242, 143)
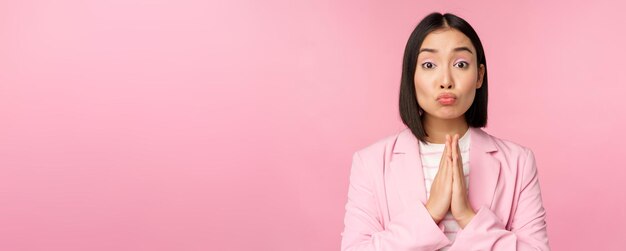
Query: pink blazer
point(386, 197)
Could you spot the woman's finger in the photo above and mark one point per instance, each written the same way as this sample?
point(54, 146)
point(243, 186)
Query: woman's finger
point(445, 153)
point(460, 161)
point(448, 146)
point(448, 160)
point(448, 173)
point(458, 149)
point(455, 143)
point(454, 158)
point(461, 175)
point(458, 165)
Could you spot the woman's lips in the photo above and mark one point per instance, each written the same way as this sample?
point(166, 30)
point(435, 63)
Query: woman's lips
point(446, 101)
point(446, 98)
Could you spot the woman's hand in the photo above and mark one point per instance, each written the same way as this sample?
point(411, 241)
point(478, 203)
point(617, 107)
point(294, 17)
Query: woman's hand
point(461, 207)
point(441, 190)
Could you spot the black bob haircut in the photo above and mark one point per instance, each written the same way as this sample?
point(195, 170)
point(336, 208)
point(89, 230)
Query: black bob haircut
point(410, 111)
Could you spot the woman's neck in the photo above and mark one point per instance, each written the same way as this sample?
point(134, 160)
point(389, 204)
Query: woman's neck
point(438, 128)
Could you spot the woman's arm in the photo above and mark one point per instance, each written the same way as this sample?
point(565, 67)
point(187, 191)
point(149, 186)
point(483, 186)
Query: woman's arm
point(413, 229)
point(528, 227)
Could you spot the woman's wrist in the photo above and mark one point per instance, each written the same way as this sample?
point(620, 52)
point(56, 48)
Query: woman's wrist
point(464, 220)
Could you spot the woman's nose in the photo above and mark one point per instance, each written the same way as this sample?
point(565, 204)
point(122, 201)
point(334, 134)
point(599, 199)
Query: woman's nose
point(446, 86)
point(446, 82)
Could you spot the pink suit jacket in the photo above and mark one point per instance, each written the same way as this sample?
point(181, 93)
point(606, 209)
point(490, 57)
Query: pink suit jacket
point(386, 197)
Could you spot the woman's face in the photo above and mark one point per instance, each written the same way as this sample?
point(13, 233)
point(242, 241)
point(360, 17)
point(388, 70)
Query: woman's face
point(447, 64)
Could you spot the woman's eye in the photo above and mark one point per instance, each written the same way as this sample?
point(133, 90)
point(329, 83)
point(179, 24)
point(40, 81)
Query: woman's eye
point(462, 64)
point(428, 65)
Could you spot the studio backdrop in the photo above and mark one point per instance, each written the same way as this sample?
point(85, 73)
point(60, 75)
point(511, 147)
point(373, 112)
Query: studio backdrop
point(230, 125)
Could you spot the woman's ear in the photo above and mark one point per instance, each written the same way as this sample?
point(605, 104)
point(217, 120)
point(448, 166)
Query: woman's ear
point(481, 74)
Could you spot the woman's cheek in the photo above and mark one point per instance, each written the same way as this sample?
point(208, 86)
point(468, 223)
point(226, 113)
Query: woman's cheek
point(469, 99)
point(422, 101)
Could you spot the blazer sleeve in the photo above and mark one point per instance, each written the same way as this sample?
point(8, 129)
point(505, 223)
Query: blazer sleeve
point(528, 227)
point(411, 230)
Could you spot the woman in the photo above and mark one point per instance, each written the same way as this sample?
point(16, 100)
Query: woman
point(444, 183)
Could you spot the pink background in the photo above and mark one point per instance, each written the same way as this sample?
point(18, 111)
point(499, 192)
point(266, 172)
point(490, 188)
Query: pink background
point(230, 125)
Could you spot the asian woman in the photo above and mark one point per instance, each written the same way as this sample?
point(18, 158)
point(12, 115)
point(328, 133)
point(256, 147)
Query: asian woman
point(443, 183)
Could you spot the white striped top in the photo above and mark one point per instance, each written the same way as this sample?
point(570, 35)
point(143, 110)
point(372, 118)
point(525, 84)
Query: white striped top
point(431, 157)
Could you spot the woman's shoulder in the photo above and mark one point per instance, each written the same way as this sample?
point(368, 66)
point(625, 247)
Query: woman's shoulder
point(507, 145)
point(513, 153)
point(403, 143)
point(383, 146)
point(400, 140)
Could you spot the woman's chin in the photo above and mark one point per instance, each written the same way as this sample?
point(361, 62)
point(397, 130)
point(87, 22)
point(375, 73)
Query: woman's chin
point(448, 115)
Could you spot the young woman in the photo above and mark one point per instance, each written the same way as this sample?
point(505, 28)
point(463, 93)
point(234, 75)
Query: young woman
point(443, 182)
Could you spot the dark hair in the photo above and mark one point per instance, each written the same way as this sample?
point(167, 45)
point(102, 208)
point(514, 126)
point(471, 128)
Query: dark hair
point(410, 111)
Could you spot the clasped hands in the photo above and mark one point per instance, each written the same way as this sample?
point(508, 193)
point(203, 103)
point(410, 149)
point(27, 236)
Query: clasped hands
point(448, 191)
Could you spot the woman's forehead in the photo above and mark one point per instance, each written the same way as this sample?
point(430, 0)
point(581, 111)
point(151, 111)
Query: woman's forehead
point(446, 40)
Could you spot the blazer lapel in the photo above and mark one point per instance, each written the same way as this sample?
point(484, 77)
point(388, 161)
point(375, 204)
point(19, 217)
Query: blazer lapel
point(406, 169)
point(484, 169)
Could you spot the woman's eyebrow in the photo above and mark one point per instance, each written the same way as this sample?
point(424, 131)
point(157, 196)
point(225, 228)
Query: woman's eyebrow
point(463, 48)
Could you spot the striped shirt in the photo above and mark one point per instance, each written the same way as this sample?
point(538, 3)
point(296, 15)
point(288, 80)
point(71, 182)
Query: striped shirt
point(431, 157)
